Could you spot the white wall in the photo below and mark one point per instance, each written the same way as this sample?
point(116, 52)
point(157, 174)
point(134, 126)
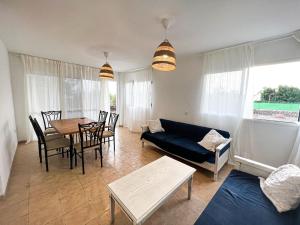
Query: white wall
point(269, 142)
point(19, 97)
point(176, 95)
point(8, 138)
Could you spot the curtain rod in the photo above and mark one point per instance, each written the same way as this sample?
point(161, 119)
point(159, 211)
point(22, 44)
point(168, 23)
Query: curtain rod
point(135, 70)
point(56, 60)
point(256, 42)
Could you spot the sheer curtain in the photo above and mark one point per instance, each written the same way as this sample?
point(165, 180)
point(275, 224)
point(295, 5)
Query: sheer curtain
point(294, 157)
point(226, 85)
point(56, 85)
point(120, 97)
point(137, 107)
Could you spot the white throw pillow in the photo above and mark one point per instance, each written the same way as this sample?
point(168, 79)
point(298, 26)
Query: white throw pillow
point(212, 140)
point(282, 187)
point(155, 126)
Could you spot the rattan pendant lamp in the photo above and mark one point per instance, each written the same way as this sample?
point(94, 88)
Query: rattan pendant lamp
point(106, 70)
point(164, 58)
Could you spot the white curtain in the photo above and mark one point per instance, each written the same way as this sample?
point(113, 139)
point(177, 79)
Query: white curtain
point(120, 97)
point(295, 154)
point(137, 107)
point(56, 85)
point(226, 86)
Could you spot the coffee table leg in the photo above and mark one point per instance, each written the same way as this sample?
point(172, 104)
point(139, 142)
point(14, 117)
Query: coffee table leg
point(190, 187)
point(112, 209)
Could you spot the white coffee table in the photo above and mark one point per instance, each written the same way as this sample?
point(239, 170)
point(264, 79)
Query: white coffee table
point(143, 191)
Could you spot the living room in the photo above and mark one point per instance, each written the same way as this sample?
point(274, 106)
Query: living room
point(195, 104)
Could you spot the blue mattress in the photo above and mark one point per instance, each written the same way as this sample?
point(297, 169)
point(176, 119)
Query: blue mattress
point(240, 201)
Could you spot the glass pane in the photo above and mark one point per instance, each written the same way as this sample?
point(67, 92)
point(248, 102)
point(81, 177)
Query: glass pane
point(277, 91)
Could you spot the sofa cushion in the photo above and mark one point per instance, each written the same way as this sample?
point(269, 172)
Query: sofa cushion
point(241, 201)
point(282, 187)
point(212, 140)
point(190, 131)
point(155, 126)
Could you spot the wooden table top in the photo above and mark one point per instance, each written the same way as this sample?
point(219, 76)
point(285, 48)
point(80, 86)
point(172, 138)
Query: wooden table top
point(68, 126)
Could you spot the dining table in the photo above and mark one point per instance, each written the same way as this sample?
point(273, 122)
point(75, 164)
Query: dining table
point(69, 127)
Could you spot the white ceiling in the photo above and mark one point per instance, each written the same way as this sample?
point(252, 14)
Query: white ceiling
point(79, 31)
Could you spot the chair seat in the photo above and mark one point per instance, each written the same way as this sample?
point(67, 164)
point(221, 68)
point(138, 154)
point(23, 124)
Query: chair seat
point(58, 143)
point(49, 131)
point(53, 137)
point(107, 133)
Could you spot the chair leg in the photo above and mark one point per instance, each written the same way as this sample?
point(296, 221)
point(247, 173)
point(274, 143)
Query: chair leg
point(75, 153)
point(62, 152)
point(114, 144)
point(96, 155)
point(46, 160)
point(82, 161)
point(40, 151)
point(101, 156)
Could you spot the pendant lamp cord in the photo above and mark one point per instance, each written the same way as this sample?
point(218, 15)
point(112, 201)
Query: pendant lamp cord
point(106, 55)
point(165, 23)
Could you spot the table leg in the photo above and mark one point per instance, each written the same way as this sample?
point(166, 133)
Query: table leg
point(71, 150)
point(190, 187)
point(112, 209)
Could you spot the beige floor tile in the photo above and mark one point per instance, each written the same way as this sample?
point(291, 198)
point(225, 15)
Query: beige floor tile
point(71, 202)
point(45, 215)
point(22, 220)
point(81, 215)
point(11, 212)
point(56, 221)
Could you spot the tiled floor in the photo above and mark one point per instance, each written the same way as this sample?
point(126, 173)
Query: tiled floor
point(64, 196)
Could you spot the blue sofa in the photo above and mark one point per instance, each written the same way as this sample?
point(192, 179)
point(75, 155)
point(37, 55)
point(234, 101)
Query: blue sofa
point(181, 139)
point(240, 201)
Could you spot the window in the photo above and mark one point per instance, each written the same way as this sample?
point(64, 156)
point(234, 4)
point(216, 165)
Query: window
point(72, 97)
point(112, 89)
point(276, 91)
point(81, 98)
point(223, 91)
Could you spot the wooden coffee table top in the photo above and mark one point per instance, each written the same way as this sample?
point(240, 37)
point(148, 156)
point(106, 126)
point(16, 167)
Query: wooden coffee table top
point(141, 192)
point(68, 126)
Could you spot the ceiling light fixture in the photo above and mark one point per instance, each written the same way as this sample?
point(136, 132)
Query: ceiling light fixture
point(106, 70)
point(164, 58)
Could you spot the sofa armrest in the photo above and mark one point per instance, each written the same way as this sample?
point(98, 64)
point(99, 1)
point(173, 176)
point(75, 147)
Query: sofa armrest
point(253, 167)
point(145, 128)
point(221, 146)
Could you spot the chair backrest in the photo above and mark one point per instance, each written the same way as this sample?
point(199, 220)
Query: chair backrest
point(34, 127)
point(91, 134)
point(190, 131)
point(50, 115)
point(102, 116)
point(39, 131)
point(113, 119)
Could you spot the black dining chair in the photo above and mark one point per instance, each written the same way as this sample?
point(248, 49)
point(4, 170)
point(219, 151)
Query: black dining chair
point(109, 134)
point(49, 116)
point(102, 116)
point(50, 143)
point(48, 138)
point(90, 138)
